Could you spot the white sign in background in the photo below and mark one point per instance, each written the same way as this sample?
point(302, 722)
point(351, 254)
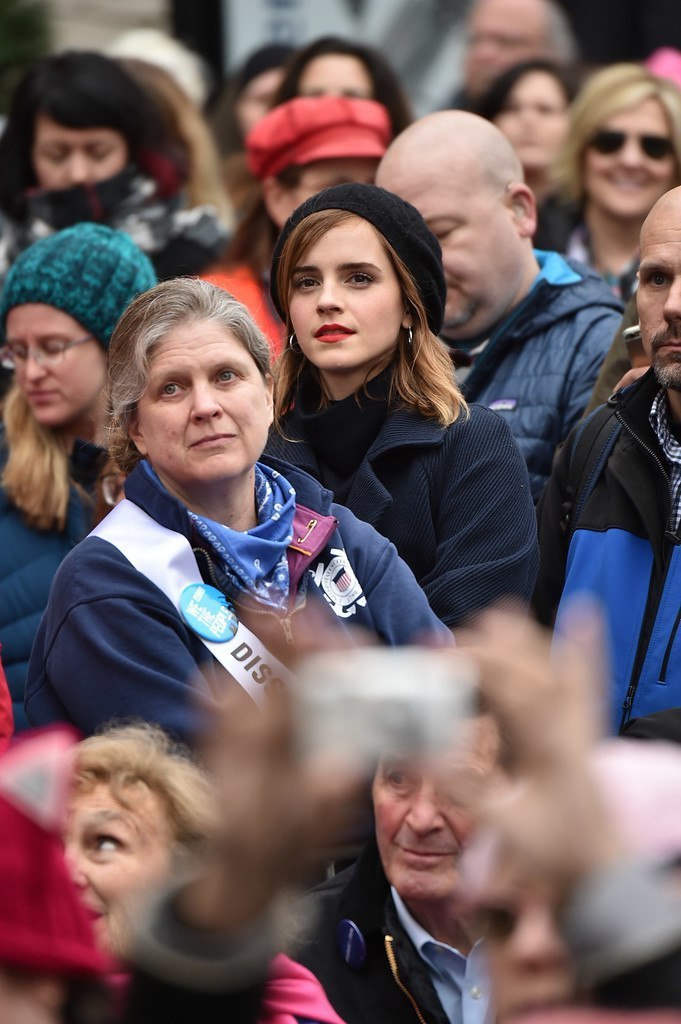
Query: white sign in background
point(423, 39)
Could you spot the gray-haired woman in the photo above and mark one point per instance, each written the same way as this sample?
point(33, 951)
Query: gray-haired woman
point(207, 532)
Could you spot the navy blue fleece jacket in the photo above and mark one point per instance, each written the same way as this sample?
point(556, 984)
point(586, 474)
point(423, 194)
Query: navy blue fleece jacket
point(111, 645)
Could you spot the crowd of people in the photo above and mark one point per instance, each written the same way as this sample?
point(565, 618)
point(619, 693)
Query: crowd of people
point(292, 379)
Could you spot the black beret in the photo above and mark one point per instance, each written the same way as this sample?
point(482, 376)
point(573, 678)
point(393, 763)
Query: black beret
point(399, 222)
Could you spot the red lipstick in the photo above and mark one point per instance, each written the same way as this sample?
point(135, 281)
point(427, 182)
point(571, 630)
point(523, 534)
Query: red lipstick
point(331, 333)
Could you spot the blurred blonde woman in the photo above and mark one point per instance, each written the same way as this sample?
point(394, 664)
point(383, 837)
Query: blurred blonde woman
point(138, 805)
point(623, 152)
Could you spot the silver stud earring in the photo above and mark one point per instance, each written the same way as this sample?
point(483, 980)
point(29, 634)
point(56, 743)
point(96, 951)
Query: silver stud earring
point(410, 337)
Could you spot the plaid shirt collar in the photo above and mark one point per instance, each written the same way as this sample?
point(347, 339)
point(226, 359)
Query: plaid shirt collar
point(659, 421)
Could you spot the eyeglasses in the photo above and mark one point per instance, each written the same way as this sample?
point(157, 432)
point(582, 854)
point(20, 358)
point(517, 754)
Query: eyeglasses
point(657, 147)
point(49, 353)
point(112, 488)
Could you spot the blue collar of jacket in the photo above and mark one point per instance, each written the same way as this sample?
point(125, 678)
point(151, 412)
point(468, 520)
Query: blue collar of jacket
point(560, 290)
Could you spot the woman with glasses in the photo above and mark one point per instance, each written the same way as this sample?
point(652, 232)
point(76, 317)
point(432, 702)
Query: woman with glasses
point(529, 103)
point(623, 152)
point(58, 309)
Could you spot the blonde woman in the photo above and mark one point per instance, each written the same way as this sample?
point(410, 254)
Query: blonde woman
point(58, 309)
point(367, 403)
point(623, 152)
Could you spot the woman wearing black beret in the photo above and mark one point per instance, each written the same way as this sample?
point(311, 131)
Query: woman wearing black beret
point(366, 400)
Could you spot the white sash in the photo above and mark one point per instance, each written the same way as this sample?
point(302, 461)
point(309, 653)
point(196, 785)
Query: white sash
point(166, 558)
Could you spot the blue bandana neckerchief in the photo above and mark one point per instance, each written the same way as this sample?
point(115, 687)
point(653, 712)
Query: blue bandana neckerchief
point(255, 561)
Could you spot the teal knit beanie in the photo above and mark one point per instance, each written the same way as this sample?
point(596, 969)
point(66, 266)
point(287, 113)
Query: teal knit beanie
point(89, 271)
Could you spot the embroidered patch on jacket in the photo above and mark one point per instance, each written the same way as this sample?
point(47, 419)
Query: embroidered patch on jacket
point(503, 404)
point(338, 583)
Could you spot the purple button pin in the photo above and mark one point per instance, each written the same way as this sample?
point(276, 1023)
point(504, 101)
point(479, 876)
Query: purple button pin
point(351, 943)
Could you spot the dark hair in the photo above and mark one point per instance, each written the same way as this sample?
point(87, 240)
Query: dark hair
point(78, 90)
point(388, 89)
point(493, 102)
point(256, 233)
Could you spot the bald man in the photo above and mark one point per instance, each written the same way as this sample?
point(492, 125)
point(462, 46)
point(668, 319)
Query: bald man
point(528, 330)
point(610, 519)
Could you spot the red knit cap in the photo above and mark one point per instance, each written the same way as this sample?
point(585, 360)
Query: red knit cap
point(43, 925)
point(310, 128)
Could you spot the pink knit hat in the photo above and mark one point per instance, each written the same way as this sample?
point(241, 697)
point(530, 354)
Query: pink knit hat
point(44, 927)
point(665, 62)
point(640, 784)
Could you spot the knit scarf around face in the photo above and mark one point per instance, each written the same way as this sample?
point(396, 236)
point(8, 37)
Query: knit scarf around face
point(255, 561)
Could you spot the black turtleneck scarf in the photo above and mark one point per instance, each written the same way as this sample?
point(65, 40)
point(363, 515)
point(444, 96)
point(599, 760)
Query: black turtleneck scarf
point(341, 433)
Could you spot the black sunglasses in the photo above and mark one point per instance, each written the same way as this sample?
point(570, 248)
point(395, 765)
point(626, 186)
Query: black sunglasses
point(657, 147)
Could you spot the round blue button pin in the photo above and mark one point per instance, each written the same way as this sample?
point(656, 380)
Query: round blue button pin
point(351, 943)
point(208, 613)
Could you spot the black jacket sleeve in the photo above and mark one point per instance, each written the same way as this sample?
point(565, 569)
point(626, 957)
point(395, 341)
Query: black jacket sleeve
point(553, 538)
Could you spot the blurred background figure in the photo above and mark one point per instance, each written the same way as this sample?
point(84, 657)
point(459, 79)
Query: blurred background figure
point(160, 49)
point(51, 970)
point(574, 864)
point(109, 490)
point(531, 964)
point(138, 810)
point(6, 712)
point(85, 142)
point(141, 814)
point(622, 152)
point(240, 103)
point(623, 30)
point(58, 309)
point(299, 148)
point(247, 97)
point(331, 66)
point(192, 138)
point(530, 104)
point(665, 62)
point(501, 33)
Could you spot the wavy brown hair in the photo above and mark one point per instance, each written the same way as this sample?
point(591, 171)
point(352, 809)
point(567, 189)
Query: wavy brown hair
point(422, 379)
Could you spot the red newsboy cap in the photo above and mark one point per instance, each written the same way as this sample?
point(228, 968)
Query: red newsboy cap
point(310, 128)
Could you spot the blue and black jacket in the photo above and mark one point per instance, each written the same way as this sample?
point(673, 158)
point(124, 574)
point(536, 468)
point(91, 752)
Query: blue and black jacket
point(624, 550)
point(541, 362)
